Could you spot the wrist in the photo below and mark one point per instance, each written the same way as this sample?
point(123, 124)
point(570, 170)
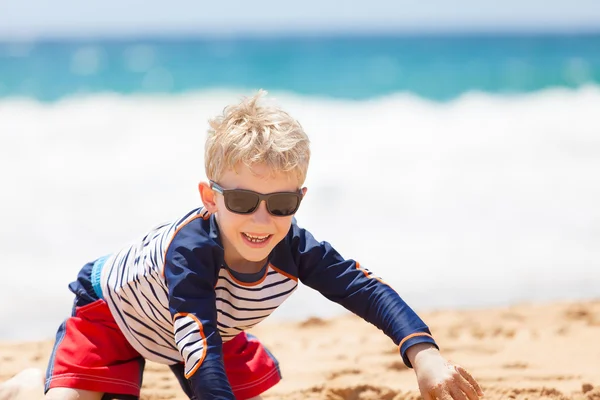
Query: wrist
point(421, 354)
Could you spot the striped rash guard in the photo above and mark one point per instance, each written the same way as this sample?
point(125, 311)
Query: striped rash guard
point(176, 301)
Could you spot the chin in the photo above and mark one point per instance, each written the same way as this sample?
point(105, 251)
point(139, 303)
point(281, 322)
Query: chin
point(256, 257)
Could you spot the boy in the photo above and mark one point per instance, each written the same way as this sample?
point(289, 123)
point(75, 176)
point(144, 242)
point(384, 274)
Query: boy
point(185, 294)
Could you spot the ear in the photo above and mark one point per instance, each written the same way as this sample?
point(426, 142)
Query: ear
point(304, 190)
point(208, 197)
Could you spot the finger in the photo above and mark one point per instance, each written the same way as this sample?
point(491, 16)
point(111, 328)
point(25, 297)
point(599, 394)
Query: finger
point(456, 393)
point(467, 389)
point(464, 385)
point(426, 396)
point(465, 374)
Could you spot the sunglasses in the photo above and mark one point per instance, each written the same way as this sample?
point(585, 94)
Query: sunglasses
point(240, 201)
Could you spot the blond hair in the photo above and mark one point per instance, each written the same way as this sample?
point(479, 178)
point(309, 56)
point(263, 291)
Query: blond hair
point(251, 133)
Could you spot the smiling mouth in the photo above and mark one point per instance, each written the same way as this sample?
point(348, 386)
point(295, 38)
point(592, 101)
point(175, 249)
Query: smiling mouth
point(256, 238)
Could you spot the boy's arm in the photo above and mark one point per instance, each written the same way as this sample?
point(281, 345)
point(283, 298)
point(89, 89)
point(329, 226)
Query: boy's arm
point(190, 281)
point(345, 282)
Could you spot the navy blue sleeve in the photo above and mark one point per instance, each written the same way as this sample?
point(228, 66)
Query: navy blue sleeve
point(191, 266)
point(345, 282)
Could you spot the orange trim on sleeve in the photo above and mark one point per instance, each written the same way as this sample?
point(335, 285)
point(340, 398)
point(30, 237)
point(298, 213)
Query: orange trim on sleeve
point(367, 274)
point(412, 335)
point(283, 273)
point(204, 344)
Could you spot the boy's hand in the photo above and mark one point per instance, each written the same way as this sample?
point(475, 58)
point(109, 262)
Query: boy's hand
point(438, 379)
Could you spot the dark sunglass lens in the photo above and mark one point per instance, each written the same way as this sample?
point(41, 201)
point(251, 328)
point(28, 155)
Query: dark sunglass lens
point(283, 204)
point(241, 202)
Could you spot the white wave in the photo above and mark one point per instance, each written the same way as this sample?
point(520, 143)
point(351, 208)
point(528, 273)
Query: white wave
point(484, 200)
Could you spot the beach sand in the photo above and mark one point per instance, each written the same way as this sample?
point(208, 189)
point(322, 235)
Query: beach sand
point(527, 351)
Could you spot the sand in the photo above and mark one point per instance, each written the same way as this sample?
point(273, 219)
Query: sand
point(527, 351)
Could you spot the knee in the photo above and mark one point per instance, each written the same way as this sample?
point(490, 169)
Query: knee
point(27, 384)
point(32, 376)
point(72, 394)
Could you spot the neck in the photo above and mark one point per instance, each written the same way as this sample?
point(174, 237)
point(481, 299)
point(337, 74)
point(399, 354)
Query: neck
point(244, 266)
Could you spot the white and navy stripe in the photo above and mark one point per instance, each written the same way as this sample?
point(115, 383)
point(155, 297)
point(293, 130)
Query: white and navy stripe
point(190, 338)
point(240, 306)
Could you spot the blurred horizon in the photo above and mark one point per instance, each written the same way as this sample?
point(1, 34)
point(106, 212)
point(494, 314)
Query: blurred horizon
point(286, 35)
point(34, 19)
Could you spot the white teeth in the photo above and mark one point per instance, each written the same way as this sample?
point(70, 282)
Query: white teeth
point(256, 239)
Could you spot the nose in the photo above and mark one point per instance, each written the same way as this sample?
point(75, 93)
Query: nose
point(261, 215)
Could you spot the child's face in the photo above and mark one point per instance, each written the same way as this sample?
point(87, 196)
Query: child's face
point(251, 237)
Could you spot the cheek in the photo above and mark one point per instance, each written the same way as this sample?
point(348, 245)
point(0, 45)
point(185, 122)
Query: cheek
point(221, 209)
point(283, 225)
point(224, 216)
point(229, 222)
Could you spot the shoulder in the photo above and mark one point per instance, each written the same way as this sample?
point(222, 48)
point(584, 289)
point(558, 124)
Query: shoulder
point(299, 238)
point(196, 229)
point(297, 242)
point(194, 246)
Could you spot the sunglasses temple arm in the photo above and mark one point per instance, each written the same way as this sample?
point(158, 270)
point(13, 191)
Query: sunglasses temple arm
point(216, 187)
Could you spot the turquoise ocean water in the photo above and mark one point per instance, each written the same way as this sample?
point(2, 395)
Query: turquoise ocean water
point(434, 67)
